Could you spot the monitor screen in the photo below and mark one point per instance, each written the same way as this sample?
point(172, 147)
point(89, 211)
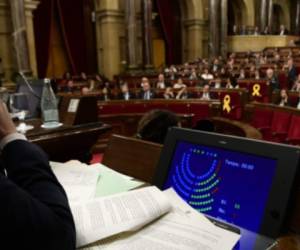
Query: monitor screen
point(233, 180)
point(228, 185)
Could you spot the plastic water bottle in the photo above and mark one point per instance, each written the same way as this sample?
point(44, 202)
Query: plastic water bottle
point(49, 106)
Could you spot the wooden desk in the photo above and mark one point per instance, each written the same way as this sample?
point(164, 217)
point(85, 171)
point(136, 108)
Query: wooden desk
point(67, 142)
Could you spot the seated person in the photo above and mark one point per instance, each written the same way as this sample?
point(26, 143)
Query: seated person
point(106, 94)
point(92, 85)
point(146, 92)
point(206, 93)
point(256, 31)
point(257, 75)
point(161, 83)
point(272, 80)
point(193, 75)
point(215, 66)
point(69, 87)
point(155, 124)
point(182, 94)
point(234, 31)
point(266, 31)
point(296, 86)
point(242, 74)
point(179, 84)
point(218, 83)
point(206, 75)
point(34, 212)
point(125, 93)
point(284, 98)
point(283, 31)
point(169, 93)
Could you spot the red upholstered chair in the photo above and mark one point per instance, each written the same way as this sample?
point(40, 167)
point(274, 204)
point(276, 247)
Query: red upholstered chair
point(200, 111)
point(293, 136)
point(283, 80)
point(263, 92)
point(236, 109)
point(262, 119)
point(280, 126)
point(293, 99)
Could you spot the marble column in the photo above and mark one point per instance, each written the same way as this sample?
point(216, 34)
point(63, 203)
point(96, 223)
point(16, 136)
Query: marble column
point(131, 28)
point(263, 14)
point(270, 16)
point(18, 17)
point(224, 28)
point(297, 18)
point(147, 34)
point(214, 35)
point(110, 34)
point(194, 31)
point(30, 7)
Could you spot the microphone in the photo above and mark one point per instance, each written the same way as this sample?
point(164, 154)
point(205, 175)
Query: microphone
point(29, 86)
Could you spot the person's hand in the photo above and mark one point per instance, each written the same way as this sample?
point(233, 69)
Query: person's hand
point(6, 124)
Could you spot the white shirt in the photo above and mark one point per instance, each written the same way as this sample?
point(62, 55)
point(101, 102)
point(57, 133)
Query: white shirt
point(161, 85)
point(179, 86)
point(207, 76)
point(205, 96)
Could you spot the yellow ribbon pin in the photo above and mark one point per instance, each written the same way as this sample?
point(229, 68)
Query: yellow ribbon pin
point(256, 90)
point(226, 103)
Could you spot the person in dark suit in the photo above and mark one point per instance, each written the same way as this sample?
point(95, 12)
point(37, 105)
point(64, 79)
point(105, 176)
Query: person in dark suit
point(292, 72)
point(125, 93)
point(34, 211)
point(283, 31)
point(146, 93)
point(272, 80)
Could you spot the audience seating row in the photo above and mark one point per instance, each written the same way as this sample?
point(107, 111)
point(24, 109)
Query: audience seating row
point(277, 124)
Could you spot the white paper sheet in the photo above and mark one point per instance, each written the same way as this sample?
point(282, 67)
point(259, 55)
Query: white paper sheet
point(107, 216)
point(173, 232)
point(79, 180)
point(181, 229)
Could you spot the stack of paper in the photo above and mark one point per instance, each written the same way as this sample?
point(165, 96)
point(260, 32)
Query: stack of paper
point(181, 228)
point(145, 218)
point(78, 180)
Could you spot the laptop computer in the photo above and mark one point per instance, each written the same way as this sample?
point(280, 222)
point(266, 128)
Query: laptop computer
point(235, 181)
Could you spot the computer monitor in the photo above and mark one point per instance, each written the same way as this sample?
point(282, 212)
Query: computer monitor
point(243, 182)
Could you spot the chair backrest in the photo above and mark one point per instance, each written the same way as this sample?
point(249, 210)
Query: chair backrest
point(262, 118)
point(281, 122)
point(294, 130)
point(133, 157)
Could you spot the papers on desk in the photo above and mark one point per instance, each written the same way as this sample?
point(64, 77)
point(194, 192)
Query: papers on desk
point(111, 182)
point(108, 216)
point(141, 219)
point(181, 228)
point(78, 180)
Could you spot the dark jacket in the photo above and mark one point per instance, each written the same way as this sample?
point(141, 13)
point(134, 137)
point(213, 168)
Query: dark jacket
point(292, 76)
point(34, 210)
point(142, 95)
